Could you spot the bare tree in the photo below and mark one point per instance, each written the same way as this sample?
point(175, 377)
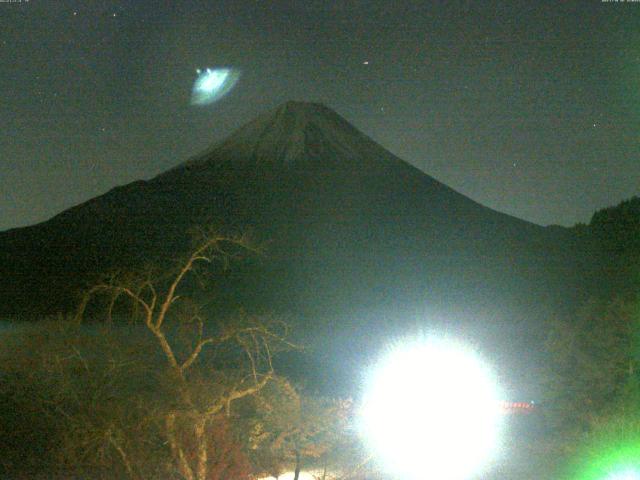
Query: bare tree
point(205, 391)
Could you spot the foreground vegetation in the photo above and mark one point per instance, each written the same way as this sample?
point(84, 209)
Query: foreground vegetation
point(144, 381)
point(165, 393)
point(591, 378)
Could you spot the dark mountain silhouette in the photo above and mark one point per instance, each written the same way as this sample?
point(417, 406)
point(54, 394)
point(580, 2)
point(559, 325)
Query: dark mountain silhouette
point(359, 241)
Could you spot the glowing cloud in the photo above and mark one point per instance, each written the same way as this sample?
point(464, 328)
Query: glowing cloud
point(431, 410)
point(212, 84)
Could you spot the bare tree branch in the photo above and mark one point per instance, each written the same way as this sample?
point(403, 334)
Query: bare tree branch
point(183, 463)
point(156, 295)
point(123, 455)
point(194, 354)
point(238, 394)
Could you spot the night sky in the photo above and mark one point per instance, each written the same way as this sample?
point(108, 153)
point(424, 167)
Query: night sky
point(531, 108)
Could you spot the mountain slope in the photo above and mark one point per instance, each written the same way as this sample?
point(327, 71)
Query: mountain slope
point(358, 240)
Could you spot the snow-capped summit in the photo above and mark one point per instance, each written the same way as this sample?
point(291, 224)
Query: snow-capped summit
point(295, 134)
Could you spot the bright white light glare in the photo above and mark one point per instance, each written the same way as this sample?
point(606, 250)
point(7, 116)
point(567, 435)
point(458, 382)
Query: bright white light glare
point(628, 474)
point(213, 84)
point(432, 410)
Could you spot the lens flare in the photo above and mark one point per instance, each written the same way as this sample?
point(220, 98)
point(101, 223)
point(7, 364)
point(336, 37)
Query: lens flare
point(626, 474)
point(618, 461)
point(432, 410)
point(212, 84)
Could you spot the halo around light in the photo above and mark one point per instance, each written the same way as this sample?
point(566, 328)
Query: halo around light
point(625, 474)
point(431, 410)
point(618, 461)
point(212, 84)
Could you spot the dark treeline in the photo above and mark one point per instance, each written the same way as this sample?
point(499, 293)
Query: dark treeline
point(591, 377)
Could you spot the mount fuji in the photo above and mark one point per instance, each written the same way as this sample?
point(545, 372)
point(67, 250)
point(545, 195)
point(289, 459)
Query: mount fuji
point(360, 245)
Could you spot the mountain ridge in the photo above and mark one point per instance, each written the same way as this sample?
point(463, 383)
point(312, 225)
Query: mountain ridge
point(343, 218)
point(357, 239)
point(283, 136)
point(303, 113)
